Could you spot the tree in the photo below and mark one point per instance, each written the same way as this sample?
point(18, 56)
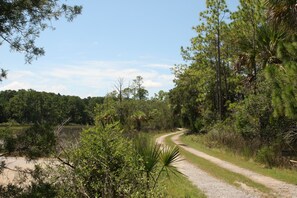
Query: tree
point(161, 95)
point(21, 22)
point(139, 117)
point(3, 74)
point(283, 12)
point(208, 67)
point(127, 92)
point(139, 92)
point(245, 28)
point(119, 86)
point(214, 15)
point(281, 71)
point(283, 75)
point(193, 99)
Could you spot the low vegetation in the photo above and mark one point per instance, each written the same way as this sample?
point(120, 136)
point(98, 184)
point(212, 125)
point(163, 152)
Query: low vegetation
point(219, 172)
point(240, 159)
point(237, 93)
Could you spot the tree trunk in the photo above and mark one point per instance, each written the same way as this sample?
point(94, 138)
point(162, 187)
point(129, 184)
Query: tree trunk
point(219, 71)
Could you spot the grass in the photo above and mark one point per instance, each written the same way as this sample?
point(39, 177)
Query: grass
point(179, 186)
point(219, 172)
point(286, 175)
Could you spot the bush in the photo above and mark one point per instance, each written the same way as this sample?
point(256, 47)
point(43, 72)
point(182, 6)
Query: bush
point(224, 134)
point(103, 165)
point(267, 156)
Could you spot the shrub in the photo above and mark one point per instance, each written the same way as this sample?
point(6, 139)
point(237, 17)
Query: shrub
point(267, 156)
point(103, 165)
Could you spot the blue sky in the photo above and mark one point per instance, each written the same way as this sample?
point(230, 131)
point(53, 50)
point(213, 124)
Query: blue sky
point(110, 40)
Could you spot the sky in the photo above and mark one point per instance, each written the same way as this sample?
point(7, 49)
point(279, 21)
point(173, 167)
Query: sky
point(111, 39)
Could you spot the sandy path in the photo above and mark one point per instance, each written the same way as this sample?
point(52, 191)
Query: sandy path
point(280, 188)
point(211, 186)
point(11, 176)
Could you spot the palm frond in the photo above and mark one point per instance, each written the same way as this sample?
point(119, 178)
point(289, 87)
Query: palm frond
point(169, 156)
point(148, 151)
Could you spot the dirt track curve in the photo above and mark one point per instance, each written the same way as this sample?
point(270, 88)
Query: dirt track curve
point(213, 187)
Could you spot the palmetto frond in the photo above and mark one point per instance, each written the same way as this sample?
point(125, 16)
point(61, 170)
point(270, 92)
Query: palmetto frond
point(156, 159)
point(149, 152)
point(169, 156)
point(283, 12)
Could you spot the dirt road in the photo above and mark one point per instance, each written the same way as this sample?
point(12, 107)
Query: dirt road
point(211, 186)
point(281, 189)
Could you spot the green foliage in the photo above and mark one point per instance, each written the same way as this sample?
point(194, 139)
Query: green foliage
point(9, 142)
point(22, 22)
point(283, 13)
point(190, 98)
point(239, 85)
point(29, 106)
point(138, 91)
point(139, 117)
point(3, 74)
point(283, 78)
point(156, 159)
point(266, 155)
point(103, 165)
point(135, 114)
point(224, 134)
point(34, 142)
point(202, 87)
point(37, 141)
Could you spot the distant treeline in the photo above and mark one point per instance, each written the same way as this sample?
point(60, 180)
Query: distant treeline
point(29, 106)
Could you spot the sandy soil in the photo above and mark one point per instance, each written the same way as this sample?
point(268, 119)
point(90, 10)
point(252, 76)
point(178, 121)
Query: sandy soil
point(11, 175)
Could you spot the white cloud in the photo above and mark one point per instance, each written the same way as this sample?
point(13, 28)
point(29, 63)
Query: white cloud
point(90, 78)
point(151, 84)
point(16, 85)
point(160, 66)
point(13, 75)
point(167, 77)
point(56, 88)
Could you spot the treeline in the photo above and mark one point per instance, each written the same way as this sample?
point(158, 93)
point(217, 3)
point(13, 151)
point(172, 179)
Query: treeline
point(129, 106)
point(110, 159)
point(29, 106)
point(239, 83)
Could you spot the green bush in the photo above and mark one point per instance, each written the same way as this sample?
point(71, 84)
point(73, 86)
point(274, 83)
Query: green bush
point(223, 134)
point(267, 156)
point(37, 141)
point(103, 165)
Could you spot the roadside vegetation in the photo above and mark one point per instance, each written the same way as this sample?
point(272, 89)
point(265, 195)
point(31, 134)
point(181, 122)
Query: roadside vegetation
point(217, 171)
point(236, 92)
point(199, 143)
point(238, 86)
point(107, 159)
point(179, 186)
